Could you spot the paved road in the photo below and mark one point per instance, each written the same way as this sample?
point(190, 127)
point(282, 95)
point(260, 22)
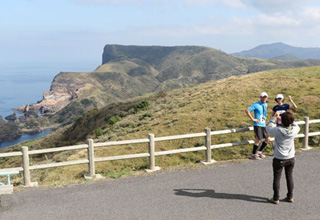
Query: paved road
point(221, 191)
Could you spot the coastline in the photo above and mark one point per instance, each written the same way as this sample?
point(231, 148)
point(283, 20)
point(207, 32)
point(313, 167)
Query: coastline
point(31, 134)
point(37, 130)
point(24, 82)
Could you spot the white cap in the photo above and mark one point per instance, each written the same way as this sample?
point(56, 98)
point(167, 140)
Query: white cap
point(263, 94)
point(279, 96)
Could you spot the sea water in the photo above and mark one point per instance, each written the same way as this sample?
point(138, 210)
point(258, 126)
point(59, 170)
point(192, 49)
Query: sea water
point(25, 83)
point(25, 138)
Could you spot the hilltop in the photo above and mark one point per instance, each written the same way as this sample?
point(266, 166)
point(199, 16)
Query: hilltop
point(280, 51)
point(218, 104)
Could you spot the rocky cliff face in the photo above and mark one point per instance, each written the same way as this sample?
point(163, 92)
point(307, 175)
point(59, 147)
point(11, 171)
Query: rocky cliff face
point(65, 87)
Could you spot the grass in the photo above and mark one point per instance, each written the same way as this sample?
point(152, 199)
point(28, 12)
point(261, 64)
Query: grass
point(216, 104)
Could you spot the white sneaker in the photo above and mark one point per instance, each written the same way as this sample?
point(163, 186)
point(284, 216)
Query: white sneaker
point(255, 157)
point(261, 155)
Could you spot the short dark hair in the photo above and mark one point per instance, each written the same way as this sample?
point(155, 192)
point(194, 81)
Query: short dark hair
point(287, 118)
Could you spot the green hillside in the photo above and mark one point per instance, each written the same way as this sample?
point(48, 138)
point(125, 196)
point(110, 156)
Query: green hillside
point(216, 104)
point(130, 71)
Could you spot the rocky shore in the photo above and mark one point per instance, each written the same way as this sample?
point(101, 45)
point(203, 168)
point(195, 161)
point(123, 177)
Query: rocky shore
point(9, 131)
point(34, 118)
point(15, 127)
point(64, 88)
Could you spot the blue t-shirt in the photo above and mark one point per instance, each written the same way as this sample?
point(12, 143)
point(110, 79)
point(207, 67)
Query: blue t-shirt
point(260, 112)
point(280, 109)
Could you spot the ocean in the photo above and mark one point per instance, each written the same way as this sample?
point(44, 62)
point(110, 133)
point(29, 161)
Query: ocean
point(22, 84)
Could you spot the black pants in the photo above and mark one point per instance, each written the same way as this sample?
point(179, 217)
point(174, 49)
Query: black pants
point(278, 166)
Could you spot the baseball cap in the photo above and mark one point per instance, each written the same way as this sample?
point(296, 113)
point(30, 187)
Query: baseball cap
point(263, 94)
point(279, 96)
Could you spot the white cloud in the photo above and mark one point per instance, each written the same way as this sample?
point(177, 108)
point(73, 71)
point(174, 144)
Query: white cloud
point(274, 6)
point(197, 3)
point(235, 4)
point(277, 21)
point(302, 26)
point(256, 22)
point(111, 2)
point(264, 6)
point(229, 25)
point(312, 12)
point(106, 1)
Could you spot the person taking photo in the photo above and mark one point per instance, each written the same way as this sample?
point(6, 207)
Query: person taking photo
point(283, 153)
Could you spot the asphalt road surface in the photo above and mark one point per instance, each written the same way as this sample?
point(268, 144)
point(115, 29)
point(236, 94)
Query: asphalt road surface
point(231, 190)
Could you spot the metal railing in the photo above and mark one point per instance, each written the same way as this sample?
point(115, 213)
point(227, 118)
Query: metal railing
point(151, 154)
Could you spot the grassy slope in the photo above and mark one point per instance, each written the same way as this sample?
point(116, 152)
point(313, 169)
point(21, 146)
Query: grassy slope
point(221, 104)
point(216, 104)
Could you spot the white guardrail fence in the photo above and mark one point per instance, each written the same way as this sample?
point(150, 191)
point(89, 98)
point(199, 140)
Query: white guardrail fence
point(151, 140)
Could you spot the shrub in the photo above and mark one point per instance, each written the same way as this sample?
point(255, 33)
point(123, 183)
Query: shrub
point(232, 124)
point(98, 132)
point(247, 136)
point(126, 122)
point(142, 106)
point(146, 115)
point(114, 119)
point(245, 125)
point(161, 94)
point(85, 102)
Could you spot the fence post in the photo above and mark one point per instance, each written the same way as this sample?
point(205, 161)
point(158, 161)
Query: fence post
point(91, 158)
point(208, 146)
point(91, 165)
point(305, 145)
point(25, 166)
point(152, 160)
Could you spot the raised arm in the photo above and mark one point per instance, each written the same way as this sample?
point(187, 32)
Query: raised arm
point(293, 104)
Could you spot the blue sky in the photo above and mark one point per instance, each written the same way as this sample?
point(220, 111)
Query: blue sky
point(77, 30)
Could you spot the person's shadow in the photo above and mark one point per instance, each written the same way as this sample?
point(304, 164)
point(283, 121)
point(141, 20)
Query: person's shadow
point(197, 193)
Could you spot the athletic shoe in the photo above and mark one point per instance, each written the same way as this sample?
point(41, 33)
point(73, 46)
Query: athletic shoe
point(290, 200)
point(261, 155)
point(255, 157)
point(273, 201)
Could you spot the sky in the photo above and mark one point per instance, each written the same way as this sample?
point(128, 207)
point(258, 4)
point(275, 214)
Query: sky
point(76, 31)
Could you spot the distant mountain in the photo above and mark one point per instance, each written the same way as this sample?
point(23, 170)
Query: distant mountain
point(277, 50)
